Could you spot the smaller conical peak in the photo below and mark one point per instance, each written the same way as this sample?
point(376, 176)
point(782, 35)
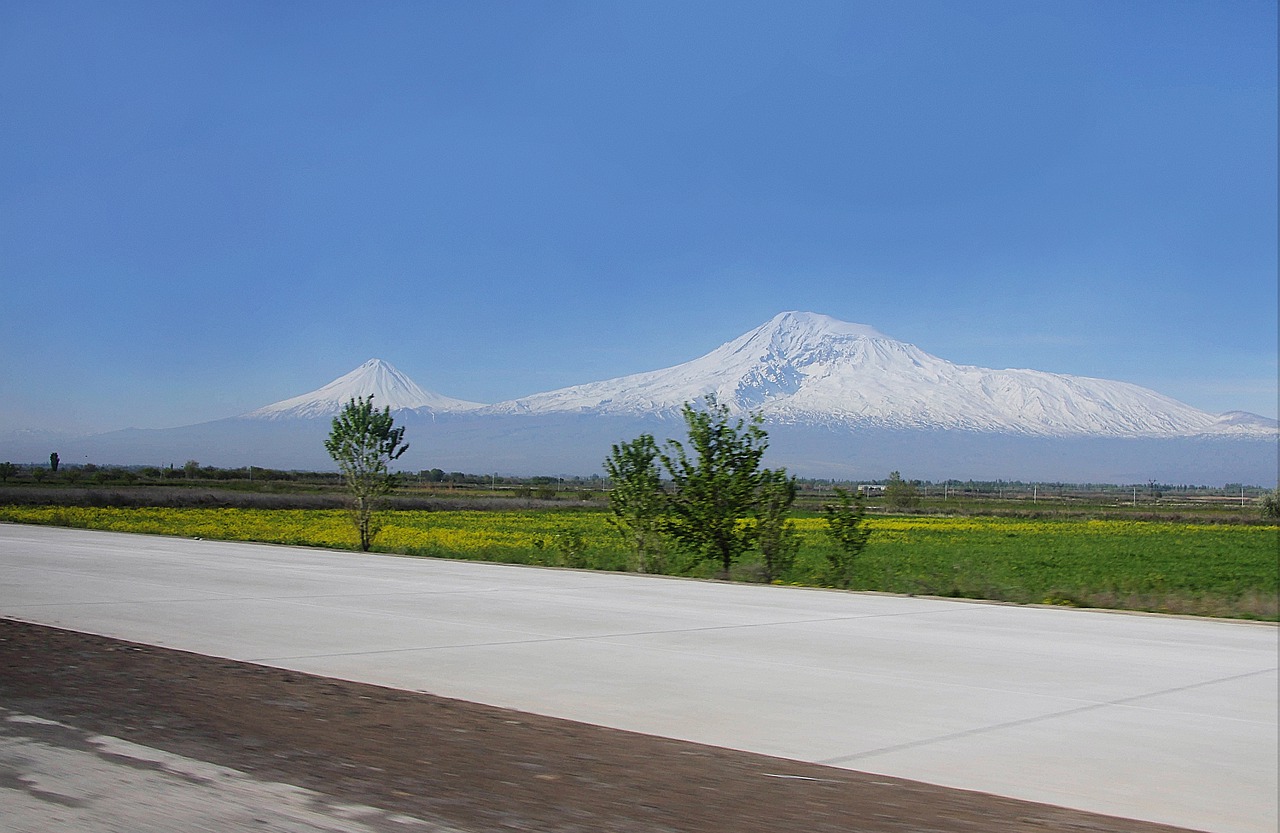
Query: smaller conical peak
point(375, 378)
point(380, 380)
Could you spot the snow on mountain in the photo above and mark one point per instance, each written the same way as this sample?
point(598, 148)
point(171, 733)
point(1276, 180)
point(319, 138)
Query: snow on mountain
point(804, 368)
point(842, 400)
point(376, 378)
point(1243, 422)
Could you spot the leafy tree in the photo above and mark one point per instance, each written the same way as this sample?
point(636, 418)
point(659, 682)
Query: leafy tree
point(636, 502)
point(847, 527)
point(53, 461)
point(1269, 504)
point(775, 532)
point(716, 480)
point(7, 470)
point(363, 442)
point(900, 493)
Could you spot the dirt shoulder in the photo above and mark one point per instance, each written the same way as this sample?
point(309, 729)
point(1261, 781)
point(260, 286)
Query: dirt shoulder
point(471, 766)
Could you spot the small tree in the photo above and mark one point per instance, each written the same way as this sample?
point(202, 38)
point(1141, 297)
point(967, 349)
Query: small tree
point(847, 527)
point(636, 499)
point(53, 461)
point(775, 532)
point(716, 479)
point(7, 470)
point(363, 442)
point(1269, 504)
point(899, 493)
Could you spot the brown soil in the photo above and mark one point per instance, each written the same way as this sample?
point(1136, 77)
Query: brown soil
point(475, 767)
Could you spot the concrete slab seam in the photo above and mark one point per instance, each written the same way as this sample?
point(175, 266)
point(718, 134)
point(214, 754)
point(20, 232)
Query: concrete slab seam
point(996, 727)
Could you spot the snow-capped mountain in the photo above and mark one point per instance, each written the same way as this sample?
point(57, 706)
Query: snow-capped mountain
point(388, 387)
point(840, 400)
point(803, 368)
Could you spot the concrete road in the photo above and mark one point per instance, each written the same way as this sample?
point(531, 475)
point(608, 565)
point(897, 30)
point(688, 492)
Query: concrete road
point(1155, 718)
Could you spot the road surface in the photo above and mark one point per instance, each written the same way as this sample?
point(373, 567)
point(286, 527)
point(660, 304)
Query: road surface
point(1156, 718)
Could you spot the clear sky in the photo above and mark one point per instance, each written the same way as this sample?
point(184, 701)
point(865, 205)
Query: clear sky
point(208, 207)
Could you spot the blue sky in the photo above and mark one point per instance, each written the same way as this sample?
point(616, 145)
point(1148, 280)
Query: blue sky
point(207, 207)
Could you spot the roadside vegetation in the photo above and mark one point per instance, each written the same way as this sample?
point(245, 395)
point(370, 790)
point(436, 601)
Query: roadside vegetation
point(704, 507)
point(363, 442)
point(1162, 566)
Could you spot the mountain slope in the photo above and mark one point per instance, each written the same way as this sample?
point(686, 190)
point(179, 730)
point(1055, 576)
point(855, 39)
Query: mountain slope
point(388, 387)
point(809, 369)
point(841, 400)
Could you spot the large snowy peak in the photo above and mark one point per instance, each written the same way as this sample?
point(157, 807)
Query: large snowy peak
point(388, 387)
point(755, 368)
point(806, 368)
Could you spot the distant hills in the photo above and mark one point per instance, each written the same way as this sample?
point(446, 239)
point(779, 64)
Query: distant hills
point(839, 400)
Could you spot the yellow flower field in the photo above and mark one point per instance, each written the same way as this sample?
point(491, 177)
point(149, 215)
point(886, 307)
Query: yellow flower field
point(1165, 566)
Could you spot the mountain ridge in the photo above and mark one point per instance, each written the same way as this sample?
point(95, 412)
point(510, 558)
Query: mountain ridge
point(808, 368)
point(839, 400)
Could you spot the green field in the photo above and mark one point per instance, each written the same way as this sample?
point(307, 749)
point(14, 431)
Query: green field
point(1174, 567)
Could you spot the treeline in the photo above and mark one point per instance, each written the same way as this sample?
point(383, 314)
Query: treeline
point(91, 473)
point(193, 472)
point(893, 492)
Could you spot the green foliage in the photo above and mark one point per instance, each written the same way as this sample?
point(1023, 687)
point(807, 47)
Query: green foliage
point(716, 481)
point(636, 501)
point(1177, 567)
point(7, 470)
point(53, 461)
point(567, 545)
point(363, 442)
point(775, 531)
point(848, 529)
point(899, 493)
point(1269, 504)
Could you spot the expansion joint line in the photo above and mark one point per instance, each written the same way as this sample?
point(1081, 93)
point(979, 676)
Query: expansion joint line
point(1123, 701)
